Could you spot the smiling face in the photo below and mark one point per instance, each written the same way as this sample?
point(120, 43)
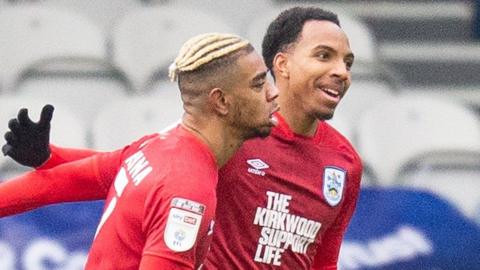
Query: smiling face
point(316, 69)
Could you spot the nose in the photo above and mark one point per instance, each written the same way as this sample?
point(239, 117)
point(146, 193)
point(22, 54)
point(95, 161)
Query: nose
point(272, 91)
point(341, 71)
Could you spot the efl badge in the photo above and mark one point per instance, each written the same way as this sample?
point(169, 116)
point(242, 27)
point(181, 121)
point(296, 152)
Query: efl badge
point(182, 225)
point(333, 183)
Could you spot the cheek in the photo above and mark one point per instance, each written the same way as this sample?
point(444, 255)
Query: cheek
point(245, 108)
point(308, 74)
point(257, 108)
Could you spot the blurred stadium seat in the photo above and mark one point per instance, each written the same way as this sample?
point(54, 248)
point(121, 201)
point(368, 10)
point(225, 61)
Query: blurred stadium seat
point(146, 40)
point(237, 14)
point(85, 92)
point(362, 95)
point(59, 56)
point(66, 129)
point(395, 131)
point(104, 13)
point(453, 175)
point(342, 125)
point(33, 33)
point(126, 120)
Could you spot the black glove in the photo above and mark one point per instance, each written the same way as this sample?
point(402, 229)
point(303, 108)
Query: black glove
point(27, 141)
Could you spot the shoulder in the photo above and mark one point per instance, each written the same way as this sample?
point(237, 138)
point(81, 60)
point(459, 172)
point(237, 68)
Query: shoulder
point(189, 162)
point(333, 138)
point(140, 143)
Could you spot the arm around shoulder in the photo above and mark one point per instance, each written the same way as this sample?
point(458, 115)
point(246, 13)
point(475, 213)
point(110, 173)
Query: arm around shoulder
point(85, 179)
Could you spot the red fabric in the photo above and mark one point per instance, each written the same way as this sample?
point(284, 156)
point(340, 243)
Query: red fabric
point(272, 191)
point(62, 155)
point(141, 204)
point(143, 179)
point(66, 183)
point(156, 263)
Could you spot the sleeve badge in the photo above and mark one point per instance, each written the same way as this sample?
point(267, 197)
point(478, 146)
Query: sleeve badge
point(183, 225)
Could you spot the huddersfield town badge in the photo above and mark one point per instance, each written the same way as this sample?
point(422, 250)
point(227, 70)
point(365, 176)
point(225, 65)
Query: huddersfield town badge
point(333, 184)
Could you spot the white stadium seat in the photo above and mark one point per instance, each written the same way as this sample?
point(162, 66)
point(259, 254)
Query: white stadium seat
point(361, 95)
point(395, 131)
point(126, 120)
point(147, 40)
point(237, 14)
point(85, 94)
point(59, 56)
point(103, 12)
point(342, 125)
point(33, 34)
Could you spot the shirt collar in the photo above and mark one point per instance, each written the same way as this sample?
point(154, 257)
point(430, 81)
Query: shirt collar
point(284, 131)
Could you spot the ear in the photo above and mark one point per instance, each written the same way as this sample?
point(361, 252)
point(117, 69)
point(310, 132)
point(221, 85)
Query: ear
point(219, 100)
point(280, 65)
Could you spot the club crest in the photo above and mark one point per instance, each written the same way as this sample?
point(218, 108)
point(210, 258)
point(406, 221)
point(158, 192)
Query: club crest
point(333, 185)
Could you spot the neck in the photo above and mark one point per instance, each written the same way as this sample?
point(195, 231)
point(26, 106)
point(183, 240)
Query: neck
point(299, 121)
point(220, 139)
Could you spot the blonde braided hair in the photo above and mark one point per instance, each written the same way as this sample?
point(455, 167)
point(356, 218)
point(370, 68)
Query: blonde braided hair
point(203, 49)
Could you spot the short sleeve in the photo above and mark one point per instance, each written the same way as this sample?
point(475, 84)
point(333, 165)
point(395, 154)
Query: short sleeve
point(178, 220)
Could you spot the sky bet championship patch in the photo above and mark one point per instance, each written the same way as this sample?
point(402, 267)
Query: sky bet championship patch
point(333, 183)
point(183, 223)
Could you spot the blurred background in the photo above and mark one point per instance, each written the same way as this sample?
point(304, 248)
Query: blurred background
point(412, 112)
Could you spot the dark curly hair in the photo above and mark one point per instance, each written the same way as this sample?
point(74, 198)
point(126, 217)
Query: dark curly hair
point(286, 28)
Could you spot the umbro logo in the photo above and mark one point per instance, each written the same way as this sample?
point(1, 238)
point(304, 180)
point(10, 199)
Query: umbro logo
point(257, 166)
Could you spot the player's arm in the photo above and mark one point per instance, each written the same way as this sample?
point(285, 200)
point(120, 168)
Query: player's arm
point(326, 257)
point(61, 155)
point(153, 263)
point(178, 217)
point(28, 142)
point(85, 179)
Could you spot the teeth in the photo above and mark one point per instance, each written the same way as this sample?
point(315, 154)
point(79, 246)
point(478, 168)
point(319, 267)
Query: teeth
point(331, 91)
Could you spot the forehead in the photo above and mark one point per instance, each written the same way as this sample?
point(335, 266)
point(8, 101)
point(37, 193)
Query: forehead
point(326, 33)
point(250, 65)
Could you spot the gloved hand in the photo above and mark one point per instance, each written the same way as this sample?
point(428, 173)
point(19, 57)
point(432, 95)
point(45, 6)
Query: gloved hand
point(27, 141)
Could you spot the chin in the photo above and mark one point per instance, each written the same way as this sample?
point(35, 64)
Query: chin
point(261, 132)
point(264, 132)
point(324, 116)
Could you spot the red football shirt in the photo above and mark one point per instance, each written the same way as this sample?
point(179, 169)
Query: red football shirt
point(284, 202)
point(161, 203)
point(160, 199)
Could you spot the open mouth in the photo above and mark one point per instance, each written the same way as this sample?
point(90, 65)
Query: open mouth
point(331, 92)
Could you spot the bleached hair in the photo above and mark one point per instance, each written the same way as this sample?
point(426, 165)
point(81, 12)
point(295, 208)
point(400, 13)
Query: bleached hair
point(203, 49)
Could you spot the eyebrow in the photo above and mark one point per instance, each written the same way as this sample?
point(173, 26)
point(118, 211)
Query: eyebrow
point(259, 77)
point(328, 48)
